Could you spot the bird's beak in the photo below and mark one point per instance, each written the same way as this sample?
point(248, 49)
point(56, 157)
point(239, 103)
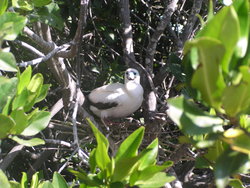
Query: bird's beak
point(130, 76)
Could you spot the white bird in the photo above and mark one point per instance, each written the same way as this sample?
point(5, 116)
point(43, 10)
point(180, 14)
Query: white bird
point(117, 100)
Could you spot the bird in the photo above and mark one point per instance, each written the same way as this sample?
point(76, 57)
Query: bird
point(117, 100)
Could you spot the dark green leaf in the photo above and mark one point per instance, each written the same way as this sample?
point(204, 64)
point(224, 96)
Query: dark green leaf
point(6, 124)
point(191, 119)
point(50, 15)
point(7, 62)
point(40, 3)
point(89, 180)
point(11, 24)
point(130, 145)
point(230, 162)
point(37, 123)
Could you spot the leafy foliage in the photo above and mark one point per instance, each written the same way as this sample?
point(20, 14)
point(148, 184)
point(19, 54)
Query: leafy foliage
point(220, 78)
point(128, 167)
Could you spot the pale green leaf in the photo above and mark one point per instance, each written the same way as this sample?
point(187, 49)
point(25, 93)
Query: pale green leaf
point(3, 6)
point(29, 143)
point(4, 180)
point(37, 123)
point(7, 62)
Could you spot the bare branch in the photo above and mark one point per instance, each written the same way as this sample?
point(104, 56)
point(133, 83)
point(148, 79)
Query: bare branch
point(30, 48)
point(188, 28)
point(165, 20)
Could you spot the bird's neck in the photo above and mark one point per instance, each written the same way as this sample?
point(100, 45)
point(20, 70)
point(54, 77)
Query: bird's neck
point(131, 86)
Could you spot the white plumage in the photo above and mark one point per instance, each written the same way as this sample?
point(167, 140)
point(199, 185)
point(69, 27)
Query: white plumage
point(118, 100)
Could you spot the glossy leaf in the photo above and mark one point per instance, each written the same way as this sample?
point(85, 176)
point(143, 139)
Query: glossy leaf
point(228, 163)
point(191, 119)
point(3, 6)
point(6, 124)
point(218, 28)
point(11, 24)
point(101, 153)
point(34, 180)
point(24, 180)
point(43, 93)
point(4, 182)
point(7, 90)
point(238, 140)
point(59, 181)
point(37, 123)
point(208, 77)
point(29, 143)
point(24, 79)
point(7, 62)
point(21, 120)
point(129, 147)
point(150, 157)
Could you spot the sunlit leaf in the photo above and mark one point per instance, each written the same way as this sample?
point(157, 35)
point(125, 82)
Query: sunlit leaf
point(29, 143)
point(7, 62)
point(191, 119)
point(37, 123)
point(24, 79)
point(11, 24)
point(4, 180)
point(3, 6)
point(59, 181)
point(21, 120)
point(130, 145)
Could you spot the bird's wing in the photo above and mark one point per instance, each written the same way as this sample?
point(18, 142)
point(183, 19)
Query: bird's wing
point(107, 96)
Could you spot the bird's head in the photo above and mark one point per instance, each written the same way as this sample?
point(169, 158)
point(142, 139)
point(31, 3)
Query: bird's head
point(132, 75)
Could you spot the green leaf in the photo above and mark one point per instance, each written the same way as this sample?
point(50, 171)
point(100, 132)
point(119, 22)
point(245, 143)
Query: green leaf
point(92, 161)
point(29, 143)
point(7, 107)
point(24, 79)
point(7, 62)
point(150, 157)
point(191, 119)
point(4, 180)
point(37, 123)
point(230, 162)
point(24, 180)
point(23, 4)
point(101, 153)
point(6, 124)
point(43, 92)
point(3, 6)
point(21, 100)
point(34, 180)
point(149, 172)
point(208, 77)
point(35, 83)
point(217, 28)
point(21, 120)
point(242, 9)
point(7, 90)
point(59, 181)
point(125, 166)
point(50, 15)
point(11, 24)
point(40, 3)
point(235, 183)
point(130, 145)
point(14, 184)
point(238, 140)
point(157, 181)
point(45, 184)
